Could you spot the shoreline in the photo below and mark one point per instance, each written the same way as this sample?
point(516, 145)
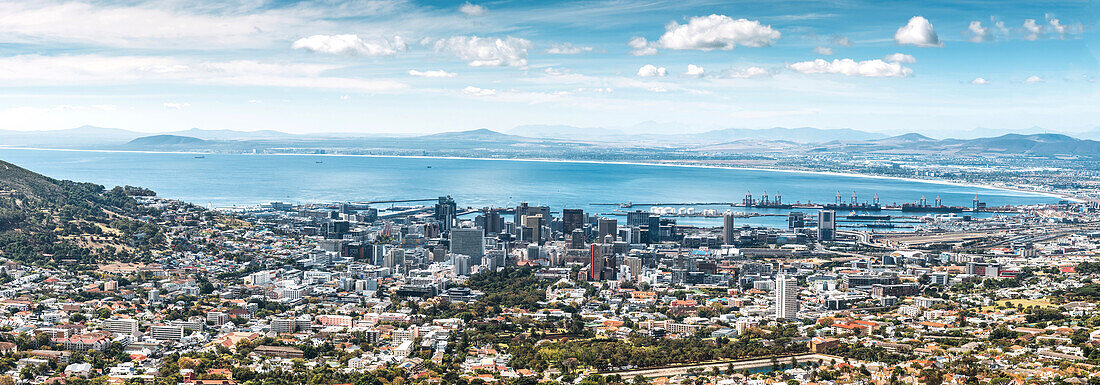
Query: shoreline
point(581, 161)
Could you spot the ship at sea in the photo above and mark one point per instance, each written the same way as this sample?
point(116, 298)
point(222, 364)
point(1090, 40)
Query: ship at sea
point(853, 205)
point(866, 217)
point(765, 202)
point(924, 207)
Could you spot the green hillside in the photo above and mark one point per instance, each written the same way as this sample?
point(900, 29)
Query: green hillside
point(71, 224)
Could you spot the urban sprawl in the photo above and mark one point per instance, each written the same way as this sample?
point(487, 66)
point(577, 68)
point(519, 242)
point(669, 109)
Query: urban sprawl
point(410, 293)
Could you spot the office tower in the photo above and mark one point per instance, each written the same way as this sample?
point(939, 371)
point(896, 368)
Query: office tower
point(595, 263)
point(493, 222)
point(526, 210)
point(728, 230)
point(532, 228)
point(607, 226)
point(446, 212)
point(395, 260)
point(654, 229)
point(377, 254)
point(461, 264)
point(796, 220)
point(826, 225)
point(468, 242)
point(576, 239)
point(533, 252)
point(637, 218)
point(572, 219)
point(635, 266)
point(786, 297)
point(494, 259)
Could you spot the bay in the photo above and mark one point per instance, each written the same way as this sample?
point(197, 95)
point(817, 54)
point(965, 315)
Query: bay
point(226, 180)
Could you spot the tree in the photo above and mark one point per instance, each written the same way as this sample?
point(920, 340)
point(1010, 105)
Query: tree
point(931, 377)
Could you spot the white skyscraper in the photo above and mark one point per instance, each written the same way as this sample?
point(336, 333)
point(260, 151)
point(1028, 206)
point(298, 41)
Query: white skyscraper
point(786, 297)
point(728, 229)
point(461, 264)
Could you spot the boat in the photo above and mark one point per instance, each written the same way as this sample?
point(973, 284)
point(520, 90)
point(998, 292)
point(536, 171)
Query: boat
point(200, 157)
point(429, 166)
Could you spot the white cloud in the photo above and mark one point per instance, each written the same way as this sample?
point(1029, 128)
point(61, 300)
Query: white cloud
point(143, 24)
point(350, 45)
point(1033, 79)
point(1057, 27)
point(176, 106)
point(978, 33)
point(979, 81)
point(693, 70)
point(472, 9)
point(432, 74)
point(474, 91)
point(717, 32)
point(849, 67)
point(1032, 29)
point(821, 50)
point(650, 70)
point(639, 46)
point(900, 58)
point(554, 71)
point(1000, 28)
point(95, 69)
point(842, 41)
point(478, 51)
point(748, 73)
point(567, 49)
point(255, 101)
point(918, 32)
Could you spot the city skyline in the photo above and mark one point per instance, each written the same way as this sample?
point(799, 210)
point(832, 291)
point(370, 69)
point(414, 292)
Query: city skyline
point(416, 67)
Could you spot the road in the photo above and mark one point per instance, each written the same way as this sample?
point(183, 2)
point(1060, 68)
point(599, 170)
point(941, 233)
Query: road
point(750, 364)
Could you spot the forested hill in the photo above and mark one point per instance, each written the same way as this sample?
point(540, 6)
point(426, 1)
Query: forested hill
point(64, 223)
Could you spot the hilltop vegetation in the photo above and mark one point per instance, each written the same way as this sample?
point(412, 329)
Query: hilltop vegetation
point(49, 221)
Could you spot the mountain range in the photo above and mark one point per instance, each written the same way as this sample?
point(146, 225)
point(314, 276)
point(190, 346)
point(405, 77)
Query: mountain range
point(558, 139)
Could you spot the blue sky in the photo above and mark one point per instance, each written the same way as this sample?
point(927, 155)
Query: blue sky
point(415, 67)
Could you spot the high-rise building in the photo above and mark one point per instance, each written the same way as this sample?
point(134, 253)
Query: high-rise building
point(635, 266)
point(446, 212)
point(729, 231)
point(796, 220)
point(571, 219)
point(786, 297)
point(527, 210)
point(595, 262)
point(637, 218)
point(607, 226)
point(468, 242)
point(654, 229)
point(532, 228)
point(826, 225)
point(394, 260)
point(576, 239)
point(493, 222)
point(461, 264)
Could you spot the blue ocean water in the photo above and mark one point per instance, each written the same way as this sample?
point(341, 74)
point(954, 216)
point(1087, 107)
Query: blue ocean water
point(226, 180)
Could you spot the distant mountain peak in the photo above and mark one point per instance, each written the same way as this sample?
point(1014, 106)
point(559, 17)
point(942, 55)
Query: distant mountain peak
point(165, 140)
point(475, 134)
